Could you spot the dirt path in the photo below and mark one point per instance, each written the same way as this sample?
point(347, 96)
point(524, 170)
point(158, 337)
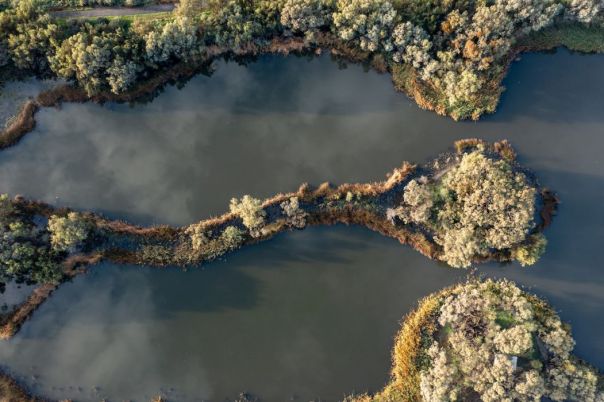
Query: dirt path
point(113, 11)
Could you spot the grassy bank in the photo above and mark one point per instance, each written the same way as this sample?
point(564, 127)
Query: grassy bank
point(576, 37)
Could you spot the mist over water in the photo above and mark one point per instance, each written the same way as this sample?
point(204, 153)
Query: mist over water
point(308, 314)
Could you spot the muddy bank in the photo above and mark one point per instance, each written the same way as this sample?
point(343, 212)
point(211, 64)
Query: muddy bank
point(12, 391)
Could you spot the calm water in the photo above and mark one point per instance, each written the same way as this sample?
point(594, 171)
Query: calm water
point(309, 314)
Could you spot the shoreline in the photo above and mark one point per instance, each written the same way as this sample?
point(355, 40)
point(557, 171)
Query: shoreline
point(403, 76)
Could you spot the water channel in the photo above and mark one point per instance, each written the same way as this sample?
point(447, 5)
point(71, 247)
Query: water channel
point(309, 314)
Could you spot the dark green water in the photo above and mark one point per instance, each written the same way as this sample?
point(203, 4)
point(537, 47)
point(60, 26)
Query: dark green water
point(309, 314)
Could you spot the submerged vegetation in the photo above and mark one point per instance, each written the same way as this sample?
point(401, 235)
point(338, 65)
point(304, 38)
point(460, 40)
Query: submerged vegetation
point(472, 205)
point(449, 55)
point(490, 341)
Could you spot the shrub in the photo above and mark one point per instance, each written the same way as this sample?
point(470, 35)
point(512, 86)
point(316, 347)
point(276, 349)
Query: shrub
point(250, 210)
point(68, 233)
point(156, 254)
point(295, 216)
point(199, 236)
point(529, 253)
point(6, 206)
point(419, 198)
point(231, 237)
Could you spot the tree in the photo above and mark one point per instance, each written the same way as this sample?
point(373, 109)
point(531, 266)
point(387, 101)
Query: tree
point(250, 210)
point(479, 205)
point(484, 328)
point(25, 253)
point(176, 40)
point(235, 24)
point(367, 23)
point(25, 36)
point(100, 57)
point(306, 16)
point(68, 232)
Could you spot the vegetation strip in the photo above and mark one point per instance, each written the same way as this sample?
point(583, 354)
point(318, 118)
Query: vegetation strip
point(449, 56)
point(472, 205)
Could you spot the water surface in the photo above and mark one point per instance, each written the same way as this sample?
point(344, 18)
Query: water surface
point(309, 314)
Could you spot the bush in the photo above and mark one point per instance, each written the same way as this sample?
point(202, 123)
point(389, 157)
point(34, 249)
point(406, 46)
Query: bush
point(295, 216)
point(250, 211)
point(231, 238)
point(68, 233)
point(199, 236)
point(6, 206)
point(529, 253)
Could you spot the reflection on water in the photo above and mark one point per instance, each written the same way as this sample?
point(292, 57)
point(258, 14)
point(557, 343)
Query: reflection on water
point(309, 314)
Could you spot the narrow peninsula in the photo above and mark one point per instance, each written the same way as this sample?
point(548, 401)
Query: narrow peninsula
point(469, 206)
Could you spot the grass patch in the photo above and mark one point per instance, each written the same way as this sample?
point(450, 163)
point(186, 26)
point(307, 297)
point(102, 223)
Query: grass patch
point(578, 37)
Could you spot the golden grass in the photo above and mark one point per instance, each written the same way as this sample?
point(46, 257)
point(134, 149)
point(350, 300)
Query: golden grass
point(23, 123)
point(12, 322)
point(409, 352)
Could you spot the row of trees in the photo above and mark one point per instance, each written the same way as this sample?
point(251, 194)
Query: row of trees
point(456, 47)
